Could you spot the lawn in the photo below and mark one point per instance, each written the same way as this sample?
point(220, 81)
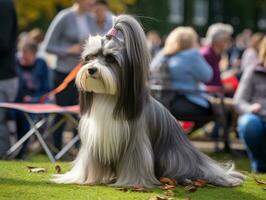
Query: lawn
point(16, 182)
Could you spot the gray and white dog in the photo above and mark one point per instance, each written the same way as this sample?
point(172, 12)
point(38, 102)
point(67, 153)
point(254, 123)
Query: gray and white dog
point(126, 135)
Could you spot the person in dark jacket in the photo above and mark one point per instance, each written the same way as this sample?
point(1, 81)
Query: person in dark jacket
point(8, 79)
point(33, 83)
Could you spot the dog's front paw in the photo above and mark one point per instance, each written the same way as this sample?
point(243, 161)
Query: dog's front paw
point(66, 178)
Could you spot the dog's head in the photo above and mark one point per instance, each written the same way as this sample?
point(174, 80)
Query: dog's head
point(116, 64)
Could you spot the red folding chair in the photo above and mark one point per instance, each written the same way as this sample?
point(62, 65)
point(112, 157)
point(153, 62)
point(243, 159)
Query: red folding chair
point(43, 109)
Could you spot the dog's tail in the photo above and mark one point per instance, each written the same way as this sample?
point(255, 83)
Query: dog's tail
point(176, 157)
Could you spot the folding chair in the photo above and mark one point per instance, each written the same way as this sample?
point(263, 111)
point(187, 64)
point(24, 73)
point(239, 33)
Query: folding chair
point(41, 109)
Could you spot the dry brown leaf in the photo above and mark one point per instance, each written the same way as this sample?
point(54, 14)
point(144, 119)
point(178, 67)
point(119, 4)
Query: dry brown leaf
point(168, 187)
point(58, 169)
point(137, 188)
point(169, 193)
point(190, 188)
point(262, 182)
point(168, 181)
point(123, 189)
point(200, 183)
point(36, 169)
point(158, 198)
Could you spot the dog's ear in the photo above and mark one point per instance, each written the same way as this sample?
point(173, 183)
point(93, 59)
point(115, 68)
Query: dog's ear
point(85, 102)
point(132, 86)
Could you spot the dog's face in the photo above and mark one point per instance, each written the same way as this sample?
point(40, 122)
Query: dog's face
point(116, 64)
point(102, 61)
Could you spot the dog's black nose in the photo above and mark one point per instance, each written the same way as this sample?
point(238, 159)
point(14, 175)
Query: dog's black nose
point(92, 70)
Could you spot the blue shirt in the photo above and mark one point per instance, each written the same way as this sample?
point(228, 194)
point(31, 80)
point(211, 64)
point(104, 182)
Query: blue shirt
point(188, 69)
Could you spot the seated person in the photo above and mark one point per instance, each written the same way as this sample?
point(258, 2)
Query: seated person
point(187, 70)
point(33, 83)
point(250, 101)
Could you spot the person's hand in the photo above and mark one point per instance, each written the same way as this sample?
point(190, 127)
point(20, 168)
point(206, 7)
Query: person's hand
point(27, 99)
point(255, 108)
point(75, 49)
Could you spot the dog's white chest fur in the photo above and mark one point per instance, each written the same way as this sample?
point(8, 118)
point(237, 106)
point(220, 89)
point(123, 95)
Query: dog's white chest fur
point(103, 136)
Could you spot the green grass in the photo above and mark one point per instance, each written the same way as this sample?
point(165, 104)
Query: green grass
point(17, 183)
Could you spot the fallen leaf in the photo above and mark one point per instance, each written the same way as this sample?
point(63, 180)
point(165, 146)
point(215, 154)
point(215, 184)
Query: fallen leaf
point(168, 187)
point(200, 183)
point(123, 189)
point(168, 181)
point(139, 190)
point(158, 198)
point(262, 182)
point(190, 188)
point(36, 169)
point(169, 193)
point(58, 169)
point(187, 198)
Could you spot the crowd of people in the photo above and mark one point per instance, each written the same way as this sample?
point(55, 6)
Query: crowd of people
point(186, 64)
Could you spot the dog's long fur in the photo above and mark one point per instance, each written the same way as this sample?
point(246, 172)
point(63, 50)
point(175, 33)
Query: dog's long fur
point(126, 135)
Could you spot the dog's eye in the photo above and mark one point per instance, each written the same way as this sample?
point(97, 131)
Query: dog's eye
point(110, 59)
point(89, 57)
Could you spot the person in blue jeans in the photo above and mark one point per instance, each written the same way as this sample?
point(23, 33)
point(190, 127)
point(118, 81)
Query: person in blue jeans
point(250, 101)
point(252, 130)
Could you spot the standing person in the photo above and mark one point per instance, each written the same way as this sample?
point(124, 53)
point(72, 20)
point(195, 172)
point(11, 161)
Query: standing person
point(102, 18)
point(187, 70)
point(65, 38)
point(8, 80)
point(250, 101)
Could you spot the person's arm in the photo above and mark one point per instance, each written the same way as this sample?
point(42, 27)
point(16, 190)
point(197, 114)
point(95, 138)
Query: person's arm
point(44, 81)
point(7, 15)
point(200, 68)
point(244, 92)
point(53, 38)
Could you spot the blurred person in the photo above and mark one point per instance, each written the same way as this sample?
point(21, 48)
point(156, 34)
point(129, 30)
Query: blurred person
point(65, 39)
point(36, 35)
point(235, 53)
point(102, 18)
point(218, 41)
point(33, 83)
point(250, 101)
point(187, 70)
point(8, 78)
point(154, 42)
point(246, 34)
point(250, 56)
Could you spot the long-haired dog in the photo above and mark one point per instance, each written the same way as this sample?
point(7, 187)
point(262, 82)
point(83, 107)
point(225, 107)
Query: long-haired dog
point(127, 137)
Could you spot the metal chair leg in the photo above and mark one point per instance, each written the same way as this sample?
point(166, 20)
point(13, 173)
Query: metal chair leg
point(37, 133)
